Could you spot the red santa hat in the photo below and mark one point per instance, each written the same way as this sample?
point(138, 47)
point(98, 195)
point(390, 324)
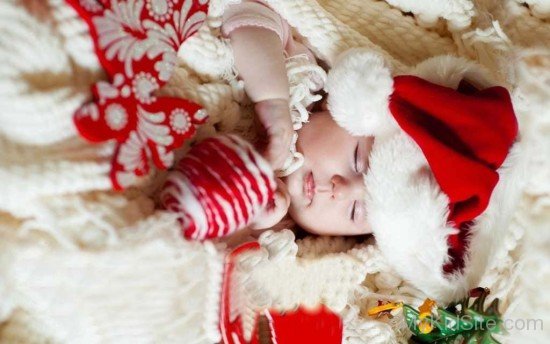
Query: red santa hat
point(458, 126)
point(360, 86)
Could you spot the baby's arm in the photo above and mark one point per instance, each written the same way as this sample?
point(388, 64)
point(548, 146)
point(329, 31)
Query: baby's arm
point(260, 62)
point(257, 34)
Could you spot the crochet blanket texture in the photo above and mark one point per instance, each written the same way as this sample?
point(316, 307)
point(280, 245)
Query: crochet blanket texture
point(80, 263)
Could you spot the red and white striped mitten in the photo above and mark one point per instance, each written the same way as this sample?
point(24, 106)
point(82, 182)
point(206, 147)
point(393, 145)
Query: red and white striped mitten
point(218, 187)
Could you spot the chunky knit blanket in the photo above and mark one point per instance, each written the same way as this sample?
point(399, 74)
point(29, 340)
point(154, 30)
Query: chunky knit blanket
point(80, 263)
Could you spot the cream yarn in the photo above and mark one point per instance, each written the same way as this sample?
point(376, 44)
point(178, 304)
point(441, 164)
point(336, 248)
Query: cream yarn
point(285, 273)
point(57, 219)
point(39, 93)
point(30, 173)
point(149, 287)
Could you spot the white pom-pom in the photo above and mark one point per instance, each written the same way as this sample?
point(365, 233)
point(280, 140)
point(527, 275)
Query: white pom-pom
point(359, 86)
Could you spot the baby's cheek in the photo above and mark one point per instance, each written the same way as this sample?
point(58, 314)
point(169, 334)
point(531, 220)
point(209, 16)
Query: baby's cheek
point(298, 214)
point(308, 219)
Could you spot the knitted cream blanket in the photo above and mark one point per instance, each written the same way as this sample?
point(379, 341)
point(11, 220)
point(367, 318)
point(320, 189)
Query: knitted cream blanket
point(79, 263)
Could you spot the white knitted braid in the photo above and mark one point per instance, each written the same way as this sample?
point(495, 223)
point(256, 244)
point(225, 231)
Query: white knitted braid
point(486, 43)
point(206, 54)
point(47, 68)
point(326, 35)
point(390, 30)
point(89, 220)
point(29, 173)
point(151, 287)
point(458, 13)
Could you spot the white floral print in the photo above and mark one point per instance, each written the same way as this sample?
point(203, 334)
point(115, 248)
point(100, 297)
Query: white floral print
point(180, 121)
point(116, 116)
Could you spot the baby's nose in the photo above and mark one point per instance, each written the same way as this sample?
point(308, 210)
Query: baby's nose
point(347, 188)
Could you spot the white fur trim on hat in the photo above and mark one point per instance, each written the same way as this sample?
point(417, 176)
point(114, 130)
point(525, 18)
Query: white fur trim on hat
point(408, 212)
point(359, 86)
point(408, 215)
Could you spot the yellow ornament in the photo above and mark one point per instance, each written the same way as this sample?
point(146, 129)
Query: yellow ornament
point(384, 308)
point(426, 308)
point(425, 326)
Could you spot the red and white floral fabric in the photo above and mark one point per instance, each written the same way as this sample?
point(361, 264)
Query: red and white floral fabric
point(136, 42)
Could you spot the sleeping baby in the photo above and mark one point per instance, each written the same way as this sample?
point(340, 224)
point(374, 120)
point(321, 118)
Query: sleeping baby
point(421, 161)
point(326, 195)
point(426, 162)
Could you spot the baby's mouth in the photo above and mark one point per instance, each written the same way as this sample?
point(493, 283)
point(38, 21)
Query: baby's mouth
point(309, 187)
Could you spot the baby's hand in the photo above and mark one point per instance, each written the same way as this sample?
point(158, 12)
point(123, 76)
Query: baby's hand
point(276, 130)
point(274, 213)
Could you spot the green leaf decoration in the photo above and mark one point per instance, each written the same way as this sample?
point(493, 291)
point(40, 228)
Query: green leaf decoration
point(460, 323)
point(452, 323)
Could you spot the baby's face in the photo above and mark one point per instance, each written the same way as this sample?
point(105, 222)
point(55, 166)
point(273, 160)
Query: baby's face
point(328, 192)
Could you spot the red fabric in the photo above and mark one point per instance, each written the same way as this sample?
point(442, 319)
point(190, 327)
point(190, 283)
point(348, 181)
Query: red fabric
point(299, 326)
point(465, 135)
point(231, 327)
point(137, 44)
point(302, 326)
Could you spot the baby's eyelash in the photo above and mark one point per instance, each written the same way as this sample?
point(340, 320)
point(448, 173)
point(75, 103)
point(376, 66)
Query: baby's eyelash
point(355, 157)
point(352, 216)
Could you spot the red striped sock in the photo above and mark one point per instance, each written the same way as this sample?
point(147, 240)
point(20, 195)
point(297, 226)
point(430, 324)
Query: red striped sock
point(218, 187)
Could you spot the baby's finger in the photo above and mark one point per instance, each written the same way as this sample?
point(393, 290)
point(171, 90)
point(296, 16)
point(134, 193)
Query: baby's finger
point(274, 214)
point(282, 195)
point(278, 148)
